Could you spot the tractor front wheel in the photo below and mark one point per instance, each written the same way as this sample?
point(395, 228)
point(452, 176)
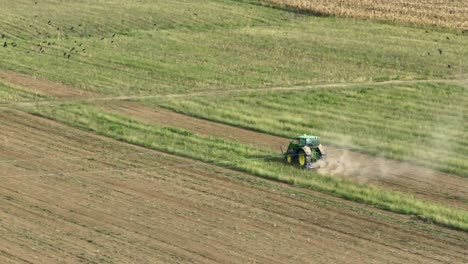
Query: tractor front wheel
point(289, 158)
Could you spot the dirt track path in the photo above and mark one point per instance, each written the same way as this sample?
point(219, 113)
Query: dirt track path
point(70, 196)
point(422, 182)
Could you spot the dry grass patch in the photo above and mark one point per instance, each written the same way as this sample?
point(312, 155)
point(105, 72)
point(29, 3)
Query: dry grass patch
point(446, 13)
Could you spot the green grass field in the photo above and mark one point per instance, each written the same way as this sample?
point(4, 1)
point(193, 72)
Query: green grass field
point(247, 159)
point(422, 123)
point(214, 45)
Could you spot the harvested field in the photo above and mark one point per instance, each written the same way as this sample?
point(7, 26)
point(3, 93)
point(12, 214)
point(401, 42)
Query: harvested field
point(421, 182)
point(71, 196)
point(446, 13)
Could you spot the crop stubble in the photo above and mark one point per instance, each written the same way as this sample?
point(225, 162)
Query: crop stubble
point(446, 13)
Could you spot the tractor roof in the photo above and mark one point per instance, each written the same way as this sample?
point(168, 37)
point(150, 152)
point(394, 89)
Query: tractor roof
point(307, 136)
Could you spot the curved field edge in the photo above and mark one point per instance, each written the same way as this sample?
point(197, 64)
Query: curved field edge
point(426, 126)
point(447, 13)
point(247, 159)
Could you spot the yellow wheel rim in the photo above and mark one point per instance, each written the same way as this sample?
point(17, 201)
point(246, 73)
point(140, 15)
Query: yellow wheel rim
point(289, 159)
point(302, 160)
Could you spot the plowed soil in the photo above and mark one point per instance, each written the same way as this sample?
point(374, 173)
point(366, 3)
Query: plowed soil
point(70, 196)
point(421, 182)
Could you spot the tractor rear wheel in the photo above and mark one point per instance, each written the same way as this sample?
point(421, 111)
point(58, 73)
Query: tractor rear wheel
point(302, 158)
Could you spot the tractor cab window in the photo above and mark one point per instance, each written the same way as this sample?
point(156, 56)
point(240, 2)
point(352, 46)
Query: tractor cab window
point(308, 141)
point(302, 142)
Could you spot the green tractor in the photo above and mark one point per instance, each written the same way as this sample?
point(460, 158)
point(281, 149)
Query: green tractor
point(304, 150)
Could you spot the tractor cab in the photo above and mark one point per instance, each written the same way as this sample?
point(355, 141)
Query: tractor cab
point(305, 150)
point(306, 140)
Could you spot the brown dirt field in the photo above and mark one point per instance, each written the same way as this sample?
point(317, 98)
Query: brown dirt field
point(421, 182)
point(70, 196)
point(42, 86)
point(446, 13)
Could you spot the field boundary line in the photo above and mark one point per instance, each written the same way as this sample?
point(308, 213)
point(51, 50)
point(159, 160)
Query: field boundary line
point(274, 88)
